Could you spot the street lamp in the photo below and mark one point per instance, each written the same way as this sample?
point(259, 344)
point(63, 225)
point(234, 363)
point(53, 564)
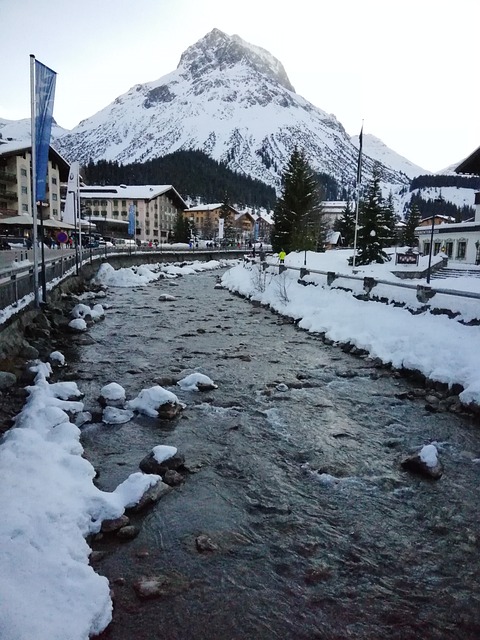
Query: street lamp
point(430, 249)
point(75, 227)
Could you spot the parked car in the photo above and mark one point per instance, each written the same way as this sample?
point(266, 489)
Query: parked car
point(18, 242)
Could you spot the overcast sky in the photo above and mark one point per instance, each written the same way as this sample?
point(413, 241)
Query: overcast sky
point(408, 69)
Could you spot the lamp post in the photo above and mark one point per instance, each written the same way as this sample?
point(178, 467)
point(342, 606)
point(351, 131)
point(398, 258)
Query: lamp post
point(430, 249)
point(75, 228)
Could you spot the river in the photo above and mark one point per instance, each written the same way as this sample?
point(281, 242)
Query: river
point(315, 530)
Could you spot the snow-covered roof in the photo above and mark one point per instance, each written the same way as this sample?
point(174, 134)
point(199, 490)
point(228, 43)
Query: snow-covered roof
point(125, 192)
point(453, 226)
point(15, 147)
point(206, 207)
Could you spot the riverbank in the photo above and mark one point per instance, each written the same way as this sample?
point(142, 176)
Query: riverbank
point(402, 333)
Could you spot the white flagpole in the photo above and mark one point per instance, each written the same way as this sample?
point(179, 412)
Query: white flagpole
point(34, 179)
point(357, 204)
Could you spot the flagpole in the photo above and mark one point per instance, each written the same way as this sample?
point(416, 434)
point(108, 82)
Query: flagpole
point(34, 180)
point(357, 204)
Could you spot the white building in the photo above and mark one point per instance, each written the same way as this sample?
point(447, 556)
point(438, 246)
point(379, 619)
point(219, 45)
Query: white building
point(459, 240)
point(156, 210)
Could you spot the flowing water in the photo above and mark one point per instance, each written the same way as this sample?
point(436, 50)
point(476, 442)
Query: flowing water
point(316, 531)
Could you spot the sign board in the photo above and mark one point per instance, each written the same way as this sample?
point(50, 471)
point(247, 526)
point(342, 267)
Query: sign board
point(406, 258)
point(62, 237)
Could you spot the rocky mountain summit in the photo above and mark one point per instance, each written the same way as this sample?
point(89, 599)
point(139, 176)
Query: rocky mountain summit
point(232, 100)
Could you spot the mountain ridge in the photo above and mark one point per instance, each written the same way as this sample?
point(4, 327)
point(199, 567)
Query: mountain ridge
point(232, 100)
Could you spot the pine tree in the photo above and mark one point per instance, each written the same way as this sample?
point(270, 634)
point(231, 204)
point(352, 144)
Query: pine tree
point(408, 237)
point(227, 215)
point(370, 234)
point(346, 225)
point(297, 215)
point(182, 231)
point(388, 229)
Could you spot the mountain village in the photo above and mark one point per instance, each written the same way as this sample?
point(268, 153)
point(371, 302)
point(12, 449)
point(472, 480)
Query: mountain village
point(148, 121)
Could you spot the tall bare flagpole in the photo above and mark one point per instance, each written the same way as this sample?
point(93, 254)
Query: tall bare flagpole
point(357, 204)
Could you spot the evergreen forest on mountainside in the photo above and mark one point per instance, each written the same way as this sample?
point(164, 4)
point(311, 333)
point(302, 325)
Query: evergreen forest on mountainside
point(429, 207)
point(440, 180)
point(193, 174)
point(197, 176)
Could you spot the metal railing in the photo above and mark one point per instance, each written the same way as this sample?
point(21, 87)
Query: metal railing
point(424, 293)
point(17, 277)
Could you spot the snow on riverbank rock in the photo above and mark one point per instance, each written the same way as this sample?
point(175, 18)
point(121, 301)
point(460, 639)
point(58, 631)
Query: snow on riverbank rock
point(113, 394)
point(78, 325)
point(425, 462)
point(166, 297)
point(161, 460)
point(197, 382)
point(156, 402)
point(57, 359)
point(88, 313)
point(114, 415)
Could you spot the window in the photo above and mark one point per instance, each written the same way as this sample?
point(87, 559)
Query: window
point(54, 181)
point(115, 203)
point(426, 248)
point(55, 212)
point(115, 212)
point(103, 203)
point(124, 203)
point(23, 171)
point(461, 249)
point(24, 190)
point(25, 207)
point(449, 248)
point(54, 196)
point(436, 248)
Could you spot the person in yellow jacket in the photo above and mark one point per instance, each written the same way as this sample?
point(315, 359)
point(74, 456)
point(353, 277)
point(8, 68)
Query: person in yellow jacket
point(281, 256)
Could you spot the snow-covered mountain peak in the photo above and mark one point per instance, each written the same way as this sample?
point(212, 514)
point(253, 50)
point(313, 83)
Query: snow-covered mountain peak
point(378, 150)
point(219, 51)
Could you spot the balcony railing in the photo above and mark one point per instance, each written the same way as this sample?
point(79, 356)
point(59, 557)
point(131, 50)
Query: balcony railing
point(8, 177)
point(8, 195)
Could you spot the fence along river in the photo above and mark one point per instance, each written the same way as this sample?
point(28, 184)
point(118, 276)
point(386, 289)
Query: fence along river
point(315, 530)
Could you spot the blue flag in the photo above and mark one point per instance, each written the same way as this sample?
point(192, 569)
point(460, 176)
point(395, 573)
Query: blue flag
point(44, 96)
point(131, 220)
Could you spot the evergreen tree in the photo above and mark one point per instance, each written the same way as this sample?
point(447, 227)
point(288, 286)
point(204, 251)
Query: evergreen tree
point(297, 215)
point(208, 228)
point(182, 231)
point(226, 214)
point(346, 225)
point(408, 237)
point(388, 229)
point(370, 234)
